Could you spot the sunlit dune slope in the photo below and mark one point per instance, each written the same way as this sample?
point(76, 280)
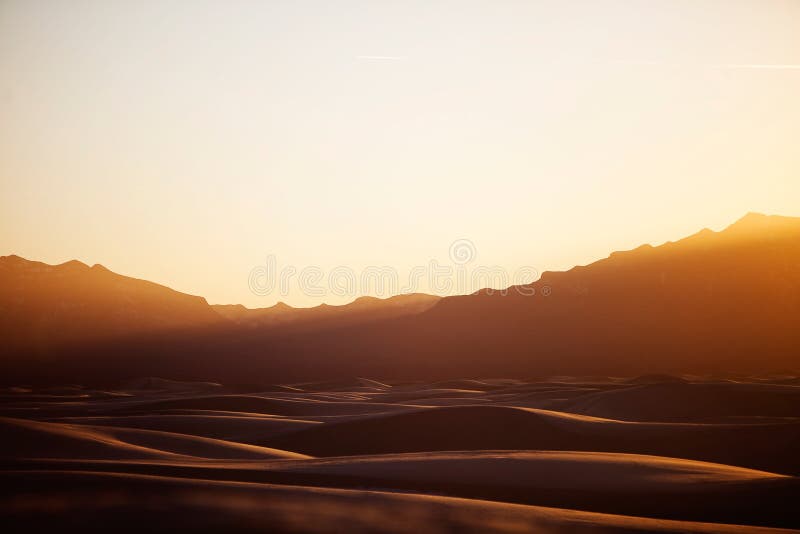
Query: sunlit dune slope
point(265, 405)
point(232, 426)
point(554, 470)
point(35, 439)
point(681, 402)
point(764, 446)
point(242, 507)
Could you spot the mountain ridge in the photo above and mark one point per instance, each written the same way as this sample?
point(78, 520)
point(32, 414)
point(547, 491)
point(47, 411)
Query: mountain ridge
point(713, 301)
point(362, 309)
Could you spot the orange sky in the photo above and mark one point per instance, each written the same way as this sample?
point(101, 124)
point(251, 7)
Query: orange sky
point(185, 143)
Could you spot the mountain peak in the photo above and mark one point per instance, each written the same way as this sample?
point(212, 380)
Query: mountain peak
point(72, 264)
point(751, 218)
point(759, 222)
point(13, 259)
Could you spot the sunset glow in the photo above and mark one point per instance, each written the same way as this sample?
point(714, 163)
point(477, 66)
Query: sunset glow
point(185, 142)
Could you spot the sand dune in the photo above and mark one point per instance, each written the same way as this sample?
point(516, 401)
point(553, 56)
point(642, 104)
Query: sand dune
point(294, 456)
point(470, 384)
point(36, 439)
point(136, 502)
point(601, 482)
point(154, 383)
point(197, 446)
point(544, 469)
point(766, 446)
point(265, 405)
point(685, 401)
point(220, 425)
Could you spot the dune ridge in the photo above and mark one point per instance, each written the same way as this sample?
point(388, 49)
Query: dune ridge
point(307, 456)
point(298, 508)
point(37, 439)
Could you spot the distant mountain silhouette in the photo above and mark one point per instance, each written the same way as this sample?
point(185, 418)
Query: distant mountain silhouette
point(728, 298)
point(46, 306)
point(724, 301)
point(362, 310)
point(712, 302)
point(714, 299)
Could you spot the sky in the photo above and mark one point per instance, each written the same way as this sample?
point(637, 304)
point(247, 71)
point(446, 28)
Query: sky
point(196, 143)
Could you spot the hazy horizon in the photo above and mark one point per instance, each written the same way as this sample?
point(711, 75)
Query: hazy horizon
point(185, 143)
point(458, 274)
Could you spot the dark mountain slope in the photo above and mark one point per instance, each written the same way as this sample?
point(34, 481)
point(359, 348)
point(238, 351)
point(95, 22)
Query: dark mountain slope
point(44, 306)
point(724, 301)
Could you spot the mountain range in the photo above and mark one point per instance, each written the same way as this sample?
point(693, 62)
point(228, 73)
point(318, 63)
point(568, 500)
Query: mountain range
point(361, 310)
point(713, 301)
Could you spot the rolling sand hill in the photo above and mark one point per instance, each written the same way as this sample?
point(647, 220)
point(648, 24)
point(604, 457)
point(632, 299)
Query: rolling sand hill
point(208, 506)
point(305, 458)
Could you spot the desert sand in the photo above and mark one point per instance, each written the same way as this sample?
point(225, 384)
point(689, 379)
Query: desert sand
point(569, 454)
